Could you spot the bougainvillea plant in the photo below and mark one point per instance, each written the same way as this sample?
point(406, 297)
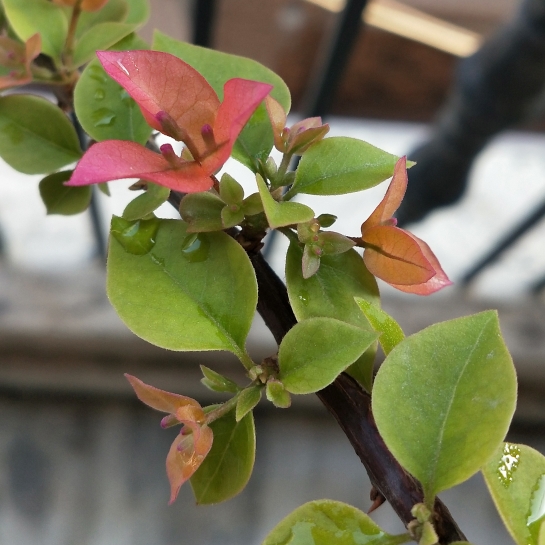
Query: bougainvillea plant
point(438, 409)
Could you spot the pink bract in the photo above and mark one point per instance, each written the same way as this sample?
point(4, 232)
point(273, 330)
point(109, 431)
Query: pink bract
point(177, 101)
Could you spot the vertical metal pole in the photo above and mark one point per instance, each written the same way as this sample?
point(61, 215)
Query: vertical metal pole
point(203, 21)
point(94, 207)
point(325, 83)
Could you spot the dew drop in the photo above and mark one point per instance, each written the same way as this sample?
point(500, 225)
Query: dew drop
point(103, 117)
point(124, 96)
point(122, 66)
point(136, 237)
point(198, 250)
point(157, 260)
point(97, 73)
point(508, 464)
point(304, 297)
point(536, 513)
point(99, 94)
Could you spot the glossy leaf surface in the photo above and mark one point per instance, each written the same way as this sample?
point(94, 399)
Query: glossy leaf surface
point(315, 351)
point(35, 136)
point(102, 36)
point(515, 476)
point(339, 165)
point(280, 214)
point(147, 202)
point(28, 17)
point(390, 331)
point(443, 399)
point(229, 464)
point(59, 199)
point(328, 522)
point(104, 109)
point(330, 292)
point(201, 297)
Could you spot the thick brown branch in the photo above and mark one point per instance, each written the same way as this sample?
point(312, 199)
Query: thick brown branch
point(351, 406)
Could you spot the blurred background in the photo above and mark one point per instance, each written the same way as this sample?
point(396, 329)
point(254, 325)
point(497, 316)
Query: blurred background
point(83, 463)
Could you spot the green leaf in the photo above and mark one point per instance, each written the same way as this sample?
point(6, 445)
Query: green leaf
point(280, 214)
point(27, 17)
point(202, 212)
point(139, 12)
point(218, 67)
point(277, 394)
point(228, 466)
point(217, 382)
point(247, 400)
point(114, 11)
point(256, 139)
point(59, 199)
point(104, 109)
point(99, 37)
point(328, 522)
point(339, 165)
point(515, 476)
point(201, 297)
point(315, 351)
point(330, 292)
point(136, 237)
point(147, 202)
point(35, 136)
point(231, 192)
point(390, 331)
point(443, 400)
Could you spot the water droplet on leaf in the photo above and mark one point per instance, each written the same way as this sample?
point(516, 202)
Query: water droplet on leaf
point(536, 515)
point(97, 73)
point(198, 250)
point(136, 237)
point(99, 94)
point(103, 116)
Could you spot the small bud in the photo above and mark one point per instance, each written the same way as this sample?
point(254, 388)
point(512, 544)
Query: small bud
point(270, 168)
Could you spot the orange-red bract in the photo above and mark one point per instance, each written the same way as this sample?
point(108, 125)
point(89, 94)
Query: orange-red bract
point(86, 5)
point(177, 101)
point(397, 256)
point(191, 446)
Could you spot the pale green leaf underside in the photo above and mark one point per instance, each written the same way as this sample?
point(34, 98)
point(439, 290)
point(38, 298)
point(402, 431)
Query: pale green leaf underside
point(515, 476)
point(316, 350)
point(198, 298)
point(328, 522)
point(443, 399)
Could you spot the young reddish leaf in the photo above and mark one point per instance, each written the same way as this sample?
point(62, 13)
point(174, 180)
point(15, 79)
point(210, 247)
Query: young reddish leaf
point(392, 199)
point(278, 118)
point(438, 281)
point(18, 57)
point(186, 454)
point(163, 401)
point(394, 255)
point(86, 5)
point(176, 100)
point(119, 159)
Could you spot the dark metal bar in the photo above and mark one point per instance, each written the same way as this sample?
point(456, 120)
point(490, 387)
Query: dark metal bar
point(324, 85)
point(203, 21)
point(504, 244)
point(94, 207)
